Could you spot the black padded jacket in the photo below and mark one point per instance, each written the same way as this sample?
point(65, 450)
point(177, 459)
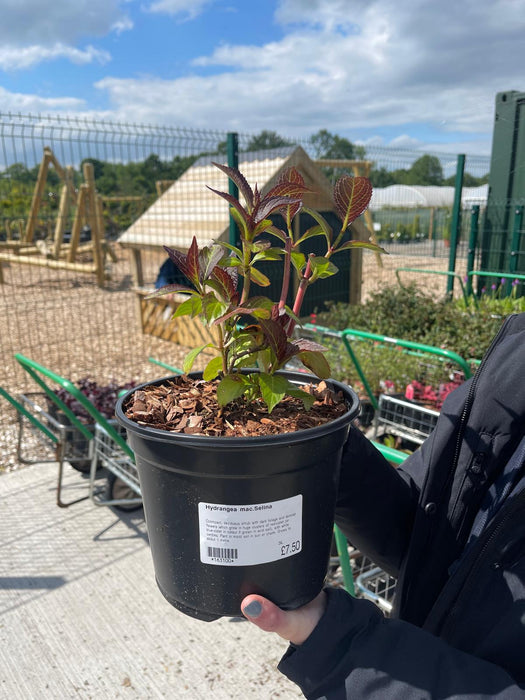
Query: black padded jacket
point(456, 631)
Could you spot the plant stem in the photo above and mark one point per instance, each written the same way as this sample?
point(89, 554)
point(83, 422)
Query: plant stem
point(247, 279)
point(222, 350)
point(303, 286)
point(286, 272)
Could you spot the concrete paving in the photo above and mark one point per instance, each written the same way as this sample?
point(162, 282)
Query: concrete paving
point(81, 615)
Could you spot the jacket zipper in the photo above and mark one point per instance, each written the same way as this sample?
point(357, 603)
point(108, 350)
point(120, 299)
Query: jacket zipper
point(464, 416)
point(471, 579)
point(470, 399)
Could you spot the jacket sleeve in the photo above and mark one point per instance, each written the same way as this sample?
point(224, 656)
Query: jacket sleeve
point(376, 502)
point(355, 652)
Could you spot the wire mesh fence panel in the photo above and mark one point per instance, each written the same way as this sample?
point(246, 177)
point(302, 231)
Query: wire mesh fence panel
point(86, 207)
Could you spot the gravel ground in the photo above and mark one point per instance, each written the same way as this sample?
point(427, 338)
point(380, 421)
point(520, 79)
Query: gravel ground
point(64, 321)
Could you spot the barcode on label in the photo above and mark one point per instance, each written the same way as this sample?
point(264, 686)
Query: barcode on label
point(222, 553)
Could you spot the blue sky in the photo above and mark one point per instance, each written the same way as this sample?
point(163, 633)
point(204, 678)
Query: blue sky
point(421, 74)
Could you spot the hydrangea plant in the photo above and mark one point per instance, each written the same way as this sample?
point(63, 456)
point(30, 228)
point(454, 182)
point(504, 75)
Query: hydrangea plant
point(252, 329)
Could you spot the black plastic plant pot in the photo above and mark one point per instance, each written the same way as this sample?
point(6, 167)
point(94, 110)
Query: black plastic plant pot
point(231, 516)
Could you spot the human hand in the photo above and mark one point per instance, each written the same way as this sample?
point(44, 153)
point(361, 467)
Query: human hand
point(293, 625)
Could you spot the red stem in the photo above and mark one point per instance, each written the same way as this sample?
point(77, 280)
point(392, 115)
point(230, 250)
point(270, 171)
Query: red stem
point(303, 285)
point(286, 273)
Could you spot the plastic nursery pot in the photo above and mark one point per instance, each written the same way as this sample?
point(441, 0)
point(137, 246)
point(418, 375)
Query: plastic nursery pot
point(231, 516)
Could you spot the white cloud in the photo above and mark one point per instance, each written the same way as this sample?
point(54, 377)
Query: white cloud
point(19, 102)
point(32, 31)
point(18, 58)
point(355, 67)
point(185, 9)
point(378, 73)
point(31, 22)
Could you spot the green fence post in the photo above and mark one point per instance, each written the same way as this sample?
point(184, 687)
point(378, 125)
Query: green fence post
point(456, 221)
point(232, 144)
point(473, 241)
point(516, 235)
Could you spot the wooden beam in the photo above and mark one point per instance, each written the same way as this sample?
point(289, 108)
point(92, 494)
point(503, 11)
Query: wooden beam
point(96, 234)
point(37, 195)
point(60, 170)
point(80, 216)
point(43, 262)
point(63, 211)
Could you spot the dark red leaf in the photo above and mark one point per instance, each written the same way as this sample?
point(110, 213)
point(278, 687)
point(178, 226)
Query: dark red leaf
point(273, 204)
point(192, 261)
point(179, 259)
point(224, 279)
point(351, 197)
point(234, 202)
point(241, 182)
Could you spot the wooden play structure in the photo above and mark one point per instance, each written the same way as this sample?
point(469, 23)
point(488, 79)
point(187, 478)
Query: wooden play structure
point(187, 207)
point(85, 204)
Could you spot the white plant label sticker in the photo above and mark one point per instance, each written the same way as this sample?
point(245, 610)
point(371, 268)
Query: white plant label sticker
point(244, 535)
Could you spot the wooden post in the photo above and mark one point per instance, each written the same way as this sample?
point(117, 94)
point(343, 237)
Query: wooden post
point(96, 234)
point(106, 248)
point(80, 216)
point(37, 195)
point(63, 212)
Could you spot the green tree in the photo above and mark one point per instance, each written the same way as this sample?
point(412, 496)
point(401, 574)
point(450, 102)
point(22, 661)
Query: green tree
point(469, 180)
point(266, 140)
point(328, 145)
point(381, 177)
point(426, 170)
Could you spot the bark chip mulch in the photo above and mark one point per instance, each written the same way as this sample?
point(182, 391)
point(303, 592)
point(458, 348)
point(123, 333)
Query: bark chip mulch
point(186, 405)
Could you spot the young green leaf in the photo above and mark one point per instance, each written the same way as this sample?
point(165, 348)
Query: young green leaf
point(189, 307)
point(212, 369)
point(298, 261)
point(231, 387)
point(317, 362)
point(273, 389)
point(307, 399)
point(323, 223)
point(347, 245)
point(213, 308)
point(316, 230)
point(191, 356)
point(259, 278)
point(322, 268)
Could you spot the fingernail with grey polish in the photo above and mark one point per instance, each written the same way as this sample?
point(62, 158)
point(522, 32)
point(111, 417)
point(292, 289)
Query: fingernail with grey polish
point(253, 609)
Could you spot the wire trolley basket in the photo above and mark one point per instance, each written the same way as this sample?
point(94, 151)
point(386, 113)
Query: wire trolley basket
point(109, 455)
point(404, 418)
point(374, 584)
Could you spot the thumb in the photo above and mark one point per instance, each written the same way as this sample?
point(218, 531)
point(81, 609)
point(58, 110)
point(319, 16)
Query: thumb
point(293, 625)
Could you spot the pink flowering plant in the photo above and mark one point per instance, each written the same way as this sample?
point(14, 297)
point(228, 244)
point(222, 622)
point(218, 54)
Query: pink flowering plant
point(252, 329)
